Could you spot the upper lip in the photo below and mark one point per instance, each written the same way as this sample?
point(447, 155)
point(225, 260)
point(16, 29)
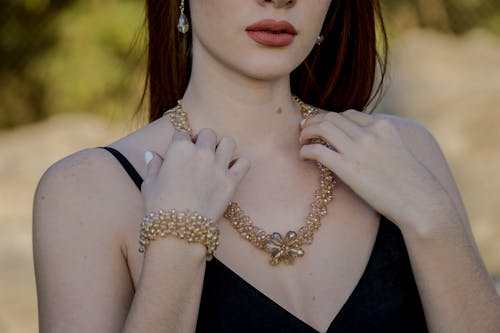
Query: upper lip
point(273, 26)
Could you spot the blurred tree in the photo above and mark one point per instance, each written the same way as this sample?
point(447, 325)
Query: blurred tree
point(67, 56)
point(24, 34)
point(453, 16)
point(96, 65)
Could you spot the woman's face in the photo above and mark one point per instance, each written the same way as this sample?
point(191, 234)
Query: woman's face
point(234, 33)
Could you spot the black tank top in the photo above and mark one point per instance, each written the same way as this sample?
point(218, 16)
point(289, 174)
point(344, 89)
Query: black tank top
point(385, 299)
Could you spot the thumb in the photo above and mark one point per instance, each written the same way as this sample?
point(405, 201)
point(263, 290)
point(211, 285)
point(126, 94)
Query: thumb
point(153, 164)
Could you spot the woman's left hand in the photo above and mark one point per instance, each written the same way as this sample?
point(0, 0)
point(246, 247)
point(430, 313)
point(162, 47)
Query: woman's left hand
point(370, 156)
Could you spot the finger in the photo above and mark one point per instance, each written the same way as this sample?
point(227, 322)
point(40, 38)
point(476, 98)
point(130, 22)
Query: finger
point(179, 136)
point(349, 127)
point(206, 139)
point(225, 151)
point(318, 152)
point(239, 169)
point(153, 164)
point(329, 132)
point(360, 118)
point(307, 121)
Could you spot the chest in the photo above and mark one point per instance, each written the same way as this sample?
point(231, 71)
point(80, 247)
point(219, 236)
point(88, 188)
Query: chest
point(277, 198)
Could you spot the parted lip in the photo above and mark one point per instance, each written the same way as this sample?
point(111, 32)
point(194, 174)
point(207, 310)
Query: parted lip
point(273, 26)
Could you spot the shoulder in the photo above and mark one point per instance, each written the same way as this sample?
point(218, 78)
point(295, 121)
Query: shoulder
point(89, 172)
point(406, 127)
point(86, 194)
point(85, 183)
point(419, 140)
point(92, 185)
point(97, 169)
point(426, 149)
point(79, 168)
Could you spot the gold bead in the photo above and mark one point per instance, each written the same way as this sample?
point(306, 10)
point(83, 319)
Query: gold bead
point(179, 225)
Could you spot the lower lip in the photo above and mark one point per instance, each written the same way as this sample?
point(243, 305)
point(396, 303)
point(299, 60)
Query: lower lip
point(270, 39)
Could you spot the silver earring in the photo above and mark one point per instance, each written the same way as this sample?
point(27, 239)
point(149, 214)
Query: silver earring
point(320, 39)
point(183, 24)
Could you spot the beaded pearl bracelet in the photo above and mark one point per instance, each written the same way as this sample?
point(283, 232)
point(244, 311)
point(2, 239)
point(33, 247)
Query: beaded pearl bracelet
point(185, 225)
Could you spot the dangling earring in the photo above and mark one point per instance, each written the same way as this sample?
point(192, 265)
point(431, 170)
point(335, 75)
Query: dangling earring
point(183, 24)
point(320, 39)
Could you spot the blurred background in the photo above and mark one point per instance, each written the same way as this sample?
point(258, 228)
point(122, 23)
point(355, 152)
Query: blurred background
point(72, 73)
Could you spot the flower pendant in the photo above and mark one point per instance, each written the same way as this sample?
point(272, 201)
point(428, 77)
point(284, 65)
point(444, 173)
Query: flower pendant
point(283, 249)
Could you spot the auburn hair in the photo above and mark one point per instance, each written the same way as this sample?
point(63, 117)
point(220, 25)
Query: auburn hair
point(337, 75)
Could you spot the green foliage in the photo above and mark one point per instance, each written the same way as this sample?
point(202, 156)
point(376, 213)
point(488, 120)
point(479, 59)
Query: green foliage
point(452, 16)
point(89, 60)
point(91, 67)
point(25, 33)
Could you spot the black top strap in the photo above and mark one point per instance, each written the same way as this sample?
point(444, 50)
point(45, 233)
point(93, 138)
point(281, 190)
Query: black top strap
point(132, 172)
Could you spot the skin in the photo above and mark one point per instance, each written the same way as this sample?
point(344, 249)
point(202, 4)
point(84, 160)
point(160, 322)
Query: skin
point(384, 164)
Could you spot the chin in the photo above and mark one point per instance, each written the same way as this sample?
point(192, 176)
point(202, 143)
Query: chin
point(265, 69)
point(270, 64)
point(266, 73)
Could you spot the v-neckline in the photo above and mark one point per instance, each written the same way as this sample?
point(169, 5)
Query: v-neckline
point(349, 298)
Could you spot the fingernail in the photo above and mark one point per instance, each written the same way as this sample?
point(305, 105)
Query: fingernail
point(302, 122)
point(148, 156)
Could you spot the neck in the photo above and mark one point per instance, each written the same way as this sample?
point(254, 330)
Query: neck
point(258, 114)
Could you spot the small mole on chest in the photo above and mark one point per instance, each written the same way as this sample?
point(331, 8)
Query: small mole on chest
point(314, 298)
point(279, 111)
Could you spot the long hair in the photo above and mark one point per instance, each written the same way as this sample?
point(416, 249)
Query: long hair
point(337, 75)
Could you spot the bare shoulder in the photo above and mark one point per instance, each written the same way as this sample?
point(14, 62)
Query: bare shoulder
point(92, 184)
point(81, 191)
point(407, 127)
point(97, 171)
point(419, 140)
point(83, 169)
point(89, 193)
point(425, 148)
point(89, 172)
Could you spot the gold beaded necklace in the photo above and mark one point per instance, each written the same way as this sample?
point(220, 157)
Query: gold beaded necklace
point(282, 249)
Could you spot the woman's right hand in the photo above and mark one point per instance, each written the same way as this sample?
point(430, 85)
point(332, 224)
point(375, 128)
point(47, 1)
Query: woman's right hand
point(199, 176)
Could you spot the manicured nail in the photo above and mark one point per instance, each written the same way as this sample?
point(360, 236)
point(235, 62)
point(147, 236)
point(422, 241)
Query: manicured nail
point(148, 156)
point(302, 122)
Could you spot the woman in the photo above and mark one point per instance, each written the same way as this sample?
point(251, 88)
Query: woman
point(394, 252)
